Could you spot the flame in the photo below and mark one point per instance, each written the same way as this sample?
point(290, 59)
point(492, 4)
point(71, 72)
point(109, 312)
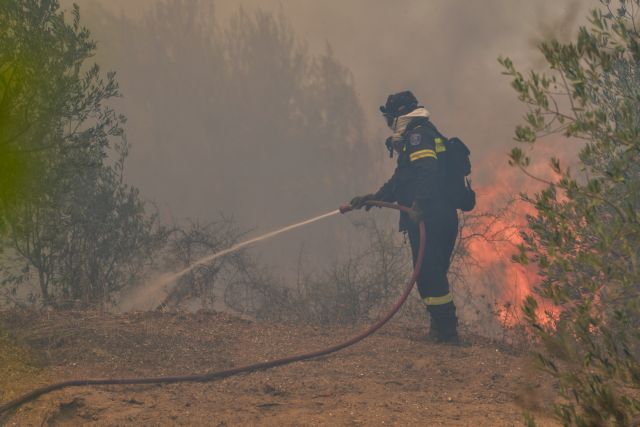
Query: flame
point(495, 233)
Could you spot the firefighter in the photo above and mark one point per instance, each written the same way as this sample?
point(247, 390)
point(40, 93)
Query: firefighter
point(418, 182)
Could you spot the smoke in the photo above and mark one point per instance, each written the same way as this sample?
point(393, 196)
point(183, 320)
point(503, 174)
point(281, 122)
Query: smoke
point(445, 52)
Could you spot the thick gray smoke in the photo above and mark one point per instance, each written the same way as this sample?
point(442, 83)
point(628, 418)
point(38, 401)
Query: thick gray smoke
point(444, 51)
point(195, 159)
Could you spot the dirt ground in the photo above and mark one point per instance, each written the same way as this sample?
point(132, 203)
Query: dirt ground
point(395, 377)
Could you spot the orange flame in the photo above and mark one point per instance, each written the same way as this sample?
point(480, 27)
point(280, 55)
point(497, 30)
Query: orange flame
point(498, 234)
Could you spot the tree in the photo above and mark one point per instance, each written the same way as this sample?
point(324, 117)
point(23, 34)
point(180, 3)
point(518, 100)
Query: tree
point(66, 211)
point(32, 78)
point(585, 235)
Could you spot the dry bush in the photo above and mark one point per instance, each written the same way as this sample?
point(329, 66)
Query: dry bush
point(349, 291)
point(363, 285)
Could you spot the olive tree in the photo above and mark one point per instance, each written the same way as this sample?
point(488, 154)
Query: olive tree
point(585, 234)
point(68, 218)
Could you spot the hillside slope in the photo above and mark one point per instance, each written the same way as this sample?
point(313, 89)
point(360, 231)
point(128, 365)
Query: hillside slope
point(393, 378)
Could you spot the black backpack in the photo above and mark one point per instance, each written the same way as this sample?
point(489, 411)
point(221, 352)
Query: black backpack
point(457, 168)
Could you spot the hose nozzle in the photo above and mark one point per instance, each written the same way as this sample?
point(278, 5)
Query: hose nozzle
point(345, 208)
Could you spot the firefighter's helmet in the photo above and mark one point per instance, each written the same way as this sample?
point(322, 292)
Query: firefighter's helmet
point(398, 104)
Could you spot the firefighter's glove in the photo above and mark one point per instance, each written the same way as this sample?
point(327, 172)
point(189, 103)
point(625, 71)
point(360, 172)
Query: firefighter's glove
point(360, 201)
point(416, 213)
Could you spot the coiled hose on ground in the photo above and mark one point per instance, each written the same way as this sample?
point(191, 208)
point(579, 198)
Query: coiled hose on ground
point(14, 404)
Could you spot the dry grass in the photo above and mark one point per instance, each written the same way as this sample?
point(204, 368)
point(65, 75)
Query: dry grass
point(19, 369)
point(395, 376)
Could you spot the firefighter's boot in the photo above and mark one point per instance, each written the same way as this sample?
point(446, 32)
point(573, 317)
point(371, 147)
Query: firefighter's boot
point(444, 323)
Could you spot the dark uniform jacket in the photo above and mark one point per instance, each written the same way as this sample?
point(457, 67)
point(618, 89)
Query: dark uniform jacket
point(416, 178)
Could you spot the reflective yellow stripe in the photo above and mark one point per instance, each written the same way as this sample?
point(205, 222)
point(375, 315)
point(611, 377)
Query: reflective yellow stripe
point(422, 154)
point(439, 145)
point(438, 300)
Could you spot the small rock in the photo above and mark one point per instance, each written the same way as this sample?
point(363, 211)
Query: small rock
point(134, 401)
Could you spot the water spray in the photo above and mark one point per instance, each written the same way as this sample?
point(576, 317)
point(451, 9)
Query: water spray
point(241, 245)
point(165, 282)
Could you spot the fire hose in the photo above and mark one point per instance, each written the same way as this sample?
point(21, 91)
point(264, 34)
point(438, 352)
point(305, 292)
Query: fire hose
point(14, 404)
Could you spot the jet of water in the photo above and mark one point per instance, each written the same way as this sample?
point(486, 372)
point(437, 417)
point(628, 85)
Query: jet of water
point(149, 292)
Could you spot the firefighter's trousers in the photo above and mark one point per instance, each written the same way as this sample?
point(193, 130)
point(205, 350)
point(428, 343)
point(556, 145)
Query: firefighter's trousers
point(441, 224)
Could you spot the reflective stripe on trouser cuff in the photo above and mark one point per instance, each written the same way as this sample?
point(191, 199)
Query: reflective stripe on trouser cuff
point(445, 299)
point(422, 154)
